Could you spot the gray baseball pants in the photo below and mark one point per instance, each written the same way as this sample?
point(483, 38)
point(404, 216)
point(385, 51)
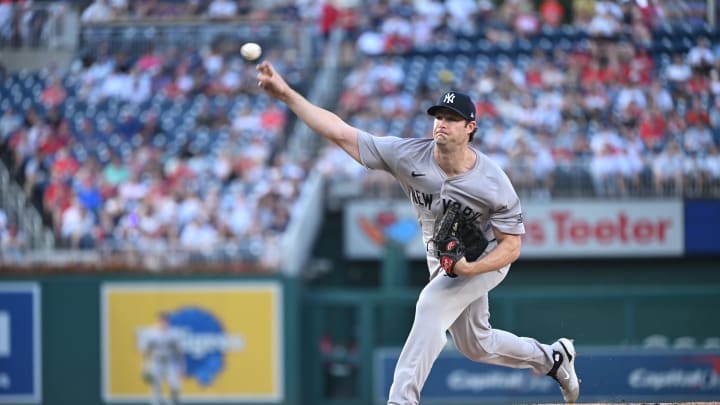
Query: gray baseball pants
point(460, 305)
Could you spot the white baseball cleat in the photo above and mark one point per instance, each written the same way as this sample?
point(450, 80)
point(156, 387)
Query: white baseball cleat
point(563, 370)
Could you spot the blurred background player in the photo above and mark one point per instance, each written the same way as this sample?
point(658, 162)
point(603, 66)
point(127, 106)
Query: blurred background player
point(163, 359)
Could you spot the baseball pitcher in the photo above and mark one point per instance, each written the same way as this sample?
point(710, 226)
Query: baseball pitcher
point(471, 221)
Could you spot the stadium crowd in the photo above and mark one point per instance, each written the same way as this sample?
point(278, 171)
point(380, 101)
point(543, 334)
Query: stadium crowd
point(173, 149)
point(155, 151)
point(607, 107)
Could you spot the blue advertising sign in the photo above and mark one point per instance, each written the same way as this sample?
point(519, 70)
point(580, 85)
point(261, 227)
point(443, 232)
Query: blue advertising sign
point(607, 374)
point(702, 218)
point(20, 343)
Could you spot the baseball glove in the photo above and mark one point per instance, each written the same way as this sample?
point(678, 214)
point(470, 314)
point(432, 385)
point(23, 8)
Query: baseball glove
point(456, 238)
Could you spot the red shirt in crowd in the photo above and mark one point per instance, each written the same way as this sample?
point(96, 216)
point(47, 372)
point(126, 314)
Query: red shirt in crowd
point(328, 18)
point(56, 196)
point(652, 128)
point(485, 108)
point(53, 95)
point(552, 12)
point(64, 166)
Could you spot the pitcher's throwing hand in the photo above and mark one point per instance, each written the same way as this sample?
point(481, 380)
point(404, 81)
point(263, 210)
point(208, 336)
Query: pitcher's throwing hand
point(270, 81)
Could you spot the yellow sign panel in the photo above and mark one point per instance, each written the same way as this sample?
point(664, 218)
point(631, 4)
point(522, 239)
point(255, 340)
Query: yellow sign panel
point(229, 335)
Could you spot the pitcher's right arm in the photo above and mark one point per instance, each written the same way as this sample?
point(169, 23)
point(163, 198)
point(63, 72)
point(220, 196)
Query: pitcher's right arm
point(325, 123)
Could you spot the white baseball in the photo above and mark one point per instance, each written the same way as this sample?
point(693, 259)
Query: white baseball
point(250, 51)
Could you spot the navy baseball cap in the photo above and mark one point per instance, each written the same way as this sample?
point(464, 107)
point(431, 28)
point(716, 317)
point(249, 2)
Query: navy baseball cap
point(461, 103)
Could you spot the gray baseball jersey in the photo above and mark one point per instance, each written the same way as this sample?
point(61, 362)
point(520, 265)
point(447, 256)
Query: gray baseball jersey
point(164, 359)
point(456, 305)
point(485, 193)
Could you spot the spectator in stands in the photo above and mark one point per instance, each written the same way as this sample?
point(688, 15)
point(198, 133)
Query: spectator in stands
point(77, 226)
point(280, 220)
point(13, 244)
point(631, 161)
point(222, 9)
point(199, 236)
point(140, 87)
point(24, 140)
point(606, 145)
point(64, 165)
point(652, 129)
point(88, 191)
point(631, 96)
point(715, 83)
point(525, 20)
point(387, 75)
point(596, 101)
point(54, 94)
point(552, 13)
point(605, 23)
point(668, 170)
point(98, 11)
point(544, 165)
point(370, 41)
point(153, 233)
point(337, 166)
point(461, 16)
point(583, 12)
point(697, 139)
point(272, 120)
point(698, 84)
point(434, 11)
point(397, 34)
point(678, 72)
point(700, 57)
point(120, 8)
point(696, 111)
point(132, 191)
point(116, 172)
point(709, 167)
point(56, 198)
point(329, 16)
point(640, 30)
point(9, 123)
point(660, 97)
point(36, 174)
point(118, 84)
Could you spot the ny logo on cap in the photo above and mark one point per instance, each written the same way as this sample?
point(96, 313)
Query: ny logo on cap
point(449, 98)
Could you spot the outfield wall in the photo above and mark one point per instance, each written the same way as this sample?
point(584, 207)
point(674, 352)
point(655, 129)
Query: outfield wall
point(72, 338)
point(240, 338)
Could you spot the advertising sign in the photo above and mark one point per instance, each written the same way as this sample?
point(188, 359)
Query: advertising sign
point(20, 358)
point(702, 220)
point(607, 374)
point(604, 228)
point(230, 338)
point(554, 229)
point(369, 224)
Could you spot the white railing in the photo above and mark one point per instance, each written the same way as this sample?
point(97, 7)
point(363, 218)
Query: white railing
point(572, 181)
